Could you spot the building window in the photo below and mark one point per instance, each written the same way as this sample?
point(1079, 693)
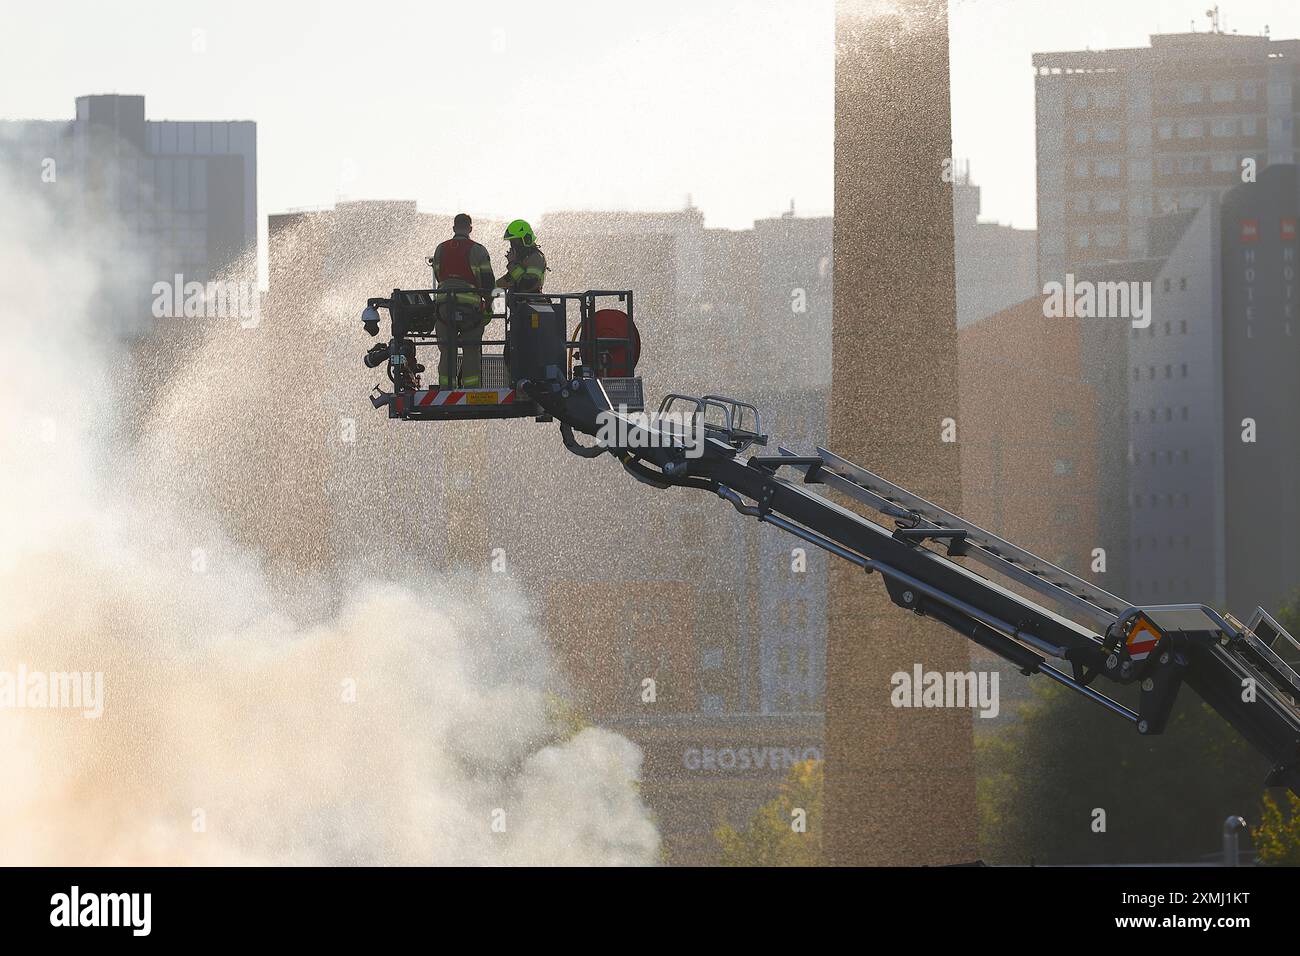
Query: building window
point(1109, 168)
point(1182, 326)
point(1081, 135)
point(1108, 134)
point(1192, 93)
point(1183, 370)
point(1165, 130)
point(1063, 419)
point(1106, 99)
point(1063, 466)
point(1223, 92)
point(1081, 169)
point(1191, 129)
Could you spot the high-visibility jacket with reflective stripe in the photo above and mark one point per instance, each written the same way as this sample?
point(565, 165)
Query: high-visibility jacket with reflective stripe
point(527, 274)
point(462, 263)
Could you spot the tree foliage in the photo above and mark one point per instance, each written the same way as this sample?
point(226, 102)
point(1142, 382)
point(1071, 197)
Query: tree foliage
point(1162, 799)
point(1277, 837)
point(786, 831)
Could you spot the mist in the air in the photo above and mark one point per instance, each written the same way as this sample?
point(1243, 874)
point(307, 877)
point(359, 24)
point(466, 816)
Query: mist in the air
point(270, 692)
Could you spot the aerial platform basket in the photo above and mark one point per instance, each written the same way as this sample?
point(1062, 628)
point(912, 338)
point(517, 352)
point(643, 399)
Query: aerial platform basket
point(533, 348)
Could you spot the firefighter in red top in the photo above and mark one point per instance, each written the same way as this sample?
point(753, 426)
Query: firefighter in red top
point(460, 263)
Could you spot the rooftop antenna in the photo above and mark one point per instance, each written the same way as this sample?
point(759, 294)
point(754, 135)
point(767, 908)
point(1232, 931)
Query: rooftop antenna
point(1213, 15)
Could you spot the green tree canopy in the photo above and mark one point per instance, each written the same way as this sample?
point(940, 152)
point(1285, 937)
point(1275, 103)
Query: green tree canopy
point(785, 831)
point(1164, 798)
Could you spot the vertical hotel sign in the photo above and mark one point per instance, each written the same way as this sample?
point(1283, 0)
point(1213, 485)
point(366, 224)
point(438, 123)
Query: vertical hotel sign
point(1251, 232)
point(1248, 239)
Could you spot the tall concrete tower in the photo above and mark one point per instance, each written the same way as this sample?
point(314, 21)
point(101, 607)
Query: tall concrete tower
point(900, 783)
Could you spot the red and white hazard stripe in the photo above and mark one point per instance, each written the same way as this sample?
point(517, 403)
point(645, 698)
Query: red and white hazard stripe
point(471, 396)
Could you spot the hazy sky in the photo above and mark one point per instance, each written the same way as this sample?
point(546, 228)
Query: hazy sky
point(633, 106)
point(504, 108)
point(992, 42)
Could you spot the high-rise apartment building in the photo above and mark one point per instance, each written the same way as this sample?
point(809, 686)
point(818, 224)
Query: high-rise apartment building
point(1125, 135)
point(161, 198)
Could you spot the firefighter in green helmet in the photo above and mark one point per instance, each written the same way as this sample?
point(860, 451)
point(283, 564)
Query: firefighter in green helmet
point(525, 264)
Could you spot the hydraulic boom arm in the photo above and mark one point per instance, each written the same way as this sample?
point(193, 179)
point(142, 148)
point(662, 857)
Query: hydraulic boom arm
point(925, 561)
point(928, 559)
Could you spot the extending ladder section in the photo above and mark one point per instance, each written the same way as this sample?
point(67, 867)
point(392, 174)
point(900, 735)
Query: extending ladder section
point(920, 519)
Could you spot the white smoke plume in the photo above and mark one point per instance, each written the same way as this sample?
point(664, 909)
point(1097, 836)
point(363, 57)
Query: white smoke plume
point(246, 720)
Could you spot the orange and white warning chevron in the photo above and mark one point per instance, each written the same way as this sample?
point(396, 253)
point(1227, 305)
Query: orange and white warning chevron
point(1142, 640)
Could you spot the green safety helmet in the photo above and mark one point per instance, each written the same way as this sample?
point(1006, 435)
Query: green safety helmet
point(522, 231)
